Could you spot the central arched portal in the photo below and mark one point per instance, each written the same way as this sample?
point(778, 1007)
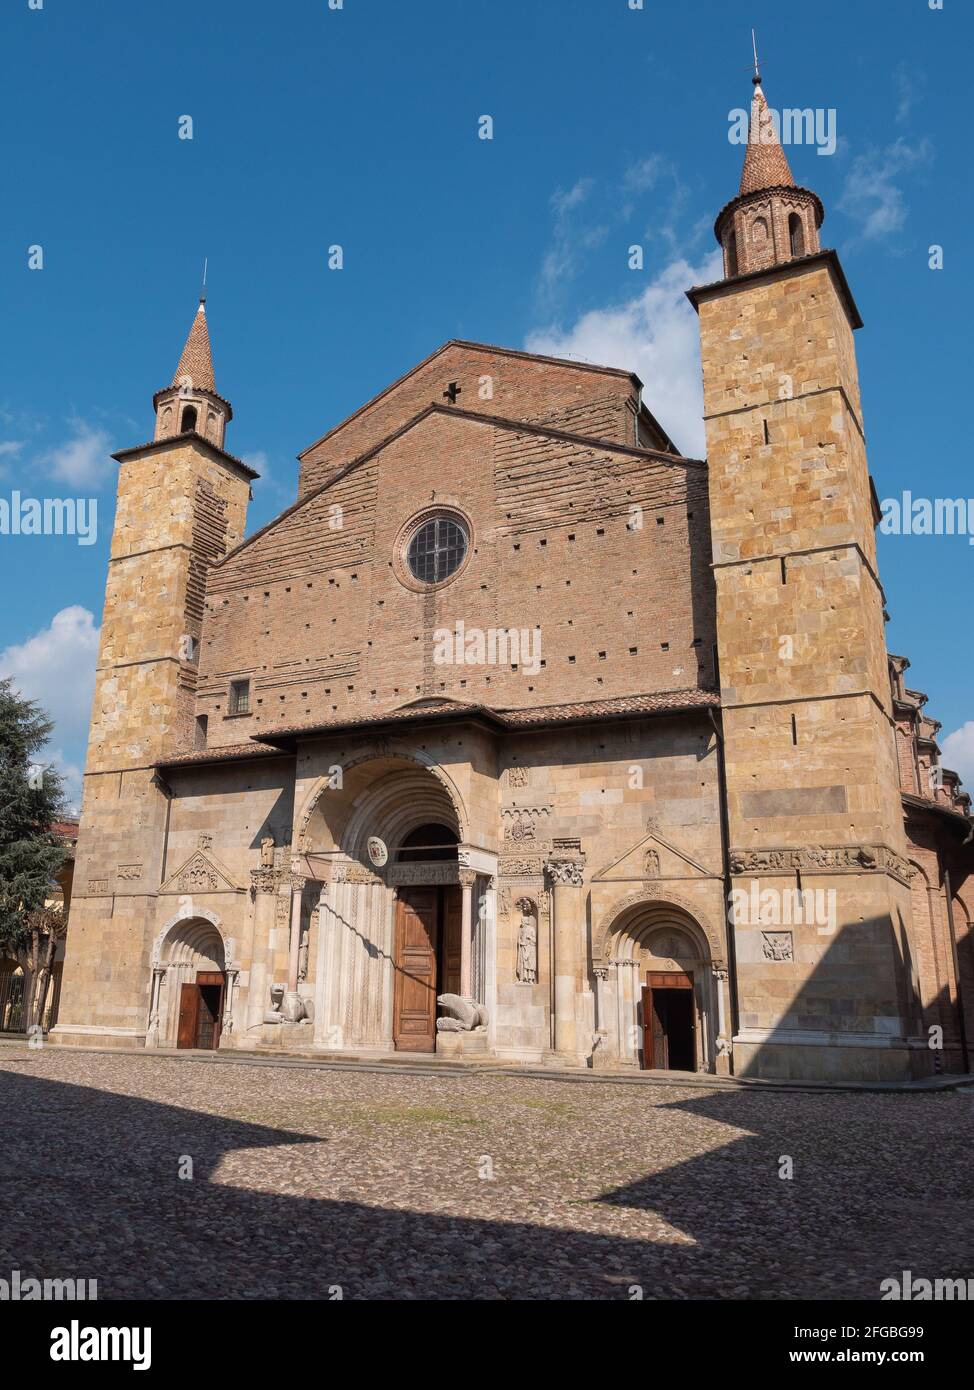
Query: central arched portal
point(395, 931)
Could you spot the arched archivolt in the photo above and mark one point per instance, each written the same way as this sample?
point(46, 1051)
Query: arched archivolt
point(414, 790)
point(963, 902)
point(921, 872)
point(190, 936)
point(633, 920)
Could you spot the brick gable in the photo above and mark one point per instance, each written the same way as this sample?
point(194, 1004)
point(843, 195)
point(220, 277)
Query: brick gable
point(314, 613)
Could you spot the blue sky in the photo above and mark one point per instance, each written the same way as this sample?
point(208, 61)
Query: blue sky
point(359, 126)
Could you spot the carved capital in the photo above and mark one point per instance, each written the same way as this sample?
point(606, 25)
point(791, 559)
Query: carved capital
point(467, 877)
point(568, 872)
point(264, 881)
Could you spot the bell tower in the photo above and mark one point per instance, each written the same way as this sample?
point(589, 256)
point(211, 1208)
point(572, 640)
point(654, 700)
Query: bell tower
point(181, 505)
point(771, 220)
point(821, 904)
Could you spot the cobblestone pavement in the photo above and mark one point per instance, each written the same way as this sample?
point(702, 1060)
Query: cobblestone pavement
point(468, 1186)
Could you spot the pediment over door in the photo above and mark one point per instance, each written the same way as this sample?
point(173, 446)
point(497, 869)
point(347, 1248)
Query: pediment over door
point(653, 857)
point(202, 872)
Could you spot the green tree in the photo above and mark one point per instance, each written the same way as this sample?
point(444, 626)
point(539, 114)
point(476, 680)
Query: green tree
point(31, 852)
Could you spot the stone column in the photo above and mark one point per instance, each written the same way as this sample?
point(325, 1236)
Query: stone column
point(297, 890)
point(264, 886)
point(630, 1034)
point(565, 870)
point(152, 1033)
point(467, 880)
point(601, 1048)
point(722, 1046)
point(226, 1027)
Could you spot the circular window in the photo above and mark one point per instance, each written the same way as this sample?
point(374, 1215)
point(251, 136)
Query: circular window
point(436, 550)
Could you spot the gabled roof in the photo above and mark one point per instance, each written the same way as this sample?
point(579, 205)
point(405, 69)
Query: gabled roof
point(477, 347)
point(538, 716)
point(476, 417)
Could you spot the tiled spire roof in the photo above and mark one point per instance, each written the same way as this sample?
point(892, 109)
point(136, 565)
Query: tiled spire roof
point(197, 360)
point(765, 164)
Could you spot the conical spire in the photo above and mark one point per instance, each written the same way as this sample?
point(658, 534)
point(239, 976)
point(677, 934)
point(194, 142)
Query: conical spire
point(196, 362)
point(765, 164)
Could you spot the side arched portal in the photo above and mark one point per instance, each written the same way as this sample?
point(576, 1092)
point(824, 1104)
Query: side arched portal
point(190, 1002)
point(660, 988)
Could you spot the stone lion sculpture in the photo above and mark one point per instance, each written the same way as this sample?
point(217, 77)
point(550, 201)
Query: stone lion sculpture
point(463, 1016)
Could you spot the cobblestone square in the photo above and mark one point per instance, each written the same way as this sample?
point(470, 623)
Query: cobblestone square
point(388, 1184)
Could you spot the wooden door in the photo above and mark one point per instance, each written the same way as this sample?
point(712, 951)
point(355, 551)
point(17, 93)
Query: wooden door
point(209, 989)
point(189, 1003)
point(452, 926)
point(657, 993)
point(414, 995)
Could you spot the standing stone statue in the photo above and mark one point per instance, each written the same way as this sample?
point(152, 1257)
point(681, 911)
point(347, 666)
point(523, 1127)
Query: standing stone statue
point(527, 949)
point(267, 852)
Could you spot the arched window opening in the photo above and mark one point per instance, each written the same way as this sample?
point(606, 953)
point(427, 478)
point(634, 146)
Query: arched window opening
point(428, 842)
point(189, 418)
point(796, 234)
point(732, 255)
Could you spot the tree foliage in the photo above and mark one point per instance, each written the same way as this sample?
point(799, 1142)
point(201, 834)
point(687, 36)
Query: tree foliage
point(31, 851)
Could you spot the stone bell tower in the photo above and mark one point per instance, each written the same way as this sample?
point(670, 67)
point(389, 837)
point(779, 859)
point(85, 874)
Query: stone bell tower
point(815, 816)
point(181, 505)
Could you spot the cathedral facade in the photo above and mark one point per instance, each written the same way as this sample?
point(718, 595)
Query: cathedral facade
point(522, 736)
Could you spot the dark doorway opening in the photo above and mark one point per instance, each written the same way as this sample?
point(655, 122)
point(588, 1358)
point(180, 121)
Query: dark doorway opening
point(669, 1023)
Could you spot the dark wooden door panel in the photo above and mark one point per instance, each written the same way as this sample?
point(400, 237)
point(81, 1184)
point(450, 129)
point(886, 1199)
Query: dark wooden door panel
point(210, 987)
point(189, 999)
point(414, 995)
point(452, 929)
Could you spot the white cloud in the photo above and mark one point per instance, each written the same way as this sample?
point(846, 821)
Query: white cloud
point(904, 93)
point(82, 461)
point(654, 334)
point(564, 202)
point(644, 173)
point(871, 195)
point(560, 261)
point(9, 449)
point(56, 667)
point(258, 460)
point(958, 752)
